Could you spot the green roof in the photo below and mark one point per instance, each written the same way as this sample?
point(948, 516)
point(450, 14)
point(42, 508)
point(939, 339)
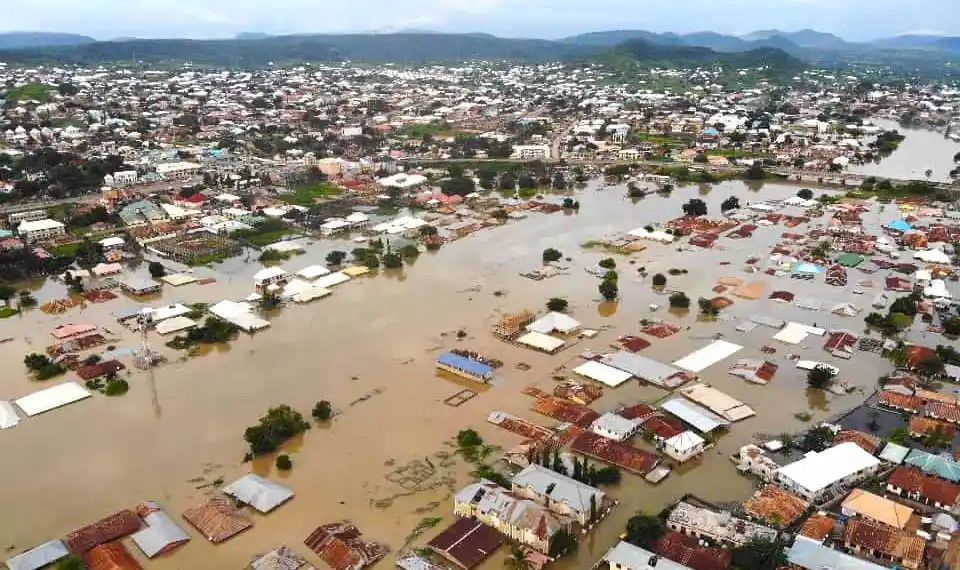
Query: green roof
point(941, 466)
point(850, 259)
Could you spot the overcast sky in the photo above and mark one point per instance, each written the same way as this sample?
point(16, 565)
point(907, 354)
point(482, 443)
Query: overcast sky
point(106, 19)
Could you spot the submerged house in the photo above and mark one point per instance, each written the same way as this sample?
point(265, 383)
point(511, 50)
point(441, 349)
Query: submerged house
point(465, 367)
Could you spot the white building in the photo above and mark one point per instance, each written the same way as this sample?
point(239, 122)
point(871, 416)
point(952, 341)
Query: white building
point(39, 230)
point(559, 493)
point(268, 276)
point(122, 178)
point(402, 181)
point(612, 426)
point(531, 151)
point(28, 216)
point(178, 170)
point(684, 446)
point(817, 474)
point(625, 556)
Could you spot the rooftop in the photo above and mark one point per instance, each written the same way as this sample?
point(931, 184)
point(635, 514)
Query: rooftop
point(817, 471)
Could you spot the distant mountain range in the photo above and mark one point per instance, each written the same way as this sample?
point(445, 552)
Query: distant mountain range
point(254, 49)
point(25, 40)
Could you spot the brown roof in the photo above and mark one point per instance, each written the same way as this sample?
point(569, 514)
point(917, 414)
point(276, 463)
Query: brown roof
point(565, 411)
point(104, 530)
point(467, 542)
point(818, 527)
point(899, 545)
point(776, 506)
point(867, 442)
point(664, 427)
point(637, 412)
point(923, 426)
point(934, 396)
point(110, 556)
point(218, 519)
point(942, 411)
point(914, 480)
point(342, 547)
point(626, 456)
point(99, 369)
point(917, 354)
point(687, 550)
point(633, 343)
point(901, 401)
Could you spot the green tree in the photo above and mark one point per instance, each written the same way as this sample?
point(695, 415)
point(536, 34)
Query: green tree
point(938, 438)
point(35, 361)
point(659, 280)
point(695, 207)
point(609, 289)
point(679, 300)
point(644, 531)
point(731, 203)
point(609, 475)
point(900, 436)
point(336, 257)
point(157, 270)
point(707, 307)
point(759, 554)
point(518, 559)
point(278, 425)
point(426, 231)
point(557, 304)
point(550, 254)
point(284, 463)
point(820, 377)
point(469, 438)
point(392, 260)
point(71, 562)
point(930, 367)
point(564, 542)
point(409, 251)
point(700, 158)
point(322, 410)
point(7, 291)
point(805, 193)
point(755, 172)
point(607, 263)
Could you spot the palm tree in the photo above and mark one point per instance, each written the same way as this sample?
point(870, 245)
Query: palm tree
point(518, 559)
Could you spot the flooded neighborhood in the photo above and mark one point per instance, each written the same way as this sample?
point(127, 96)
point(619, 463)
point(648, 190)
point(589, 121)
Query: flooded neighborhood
point(693, 331)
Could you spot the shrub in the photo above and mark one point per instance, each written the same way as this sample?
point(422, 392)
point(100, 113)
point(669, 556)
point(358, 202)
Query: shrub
point(609, 290)
point(659, 280)
point(550, 254)
point(336, 257)
point(322, 411)
point(392, 260)
point(284, 463)
point(557, 304)
point(607, 263)
point(680, 301)
point(156, 270)
point(277, 426)
point(469, 438)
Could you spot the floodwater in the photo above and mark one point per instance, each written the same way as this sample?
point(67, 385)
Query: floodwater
point(369, 349)
point(921, 150)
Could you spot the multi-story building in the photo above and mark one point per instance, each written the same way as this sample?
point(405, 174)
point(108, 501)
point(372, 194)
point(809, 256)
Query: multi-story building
point(28, 216)
point(818, 475)
point(40, 230)
point(720, 527)
point(559, 493)
point(523, 520)
point(531, 151)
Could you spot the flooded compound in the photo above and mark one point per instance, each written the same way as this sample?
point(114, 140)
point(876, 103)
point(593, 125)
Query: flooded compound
point(386, 461)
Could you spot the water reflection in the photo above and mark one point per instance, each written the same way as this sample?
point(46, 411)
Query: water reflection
point(607, 308)
point(817, 400)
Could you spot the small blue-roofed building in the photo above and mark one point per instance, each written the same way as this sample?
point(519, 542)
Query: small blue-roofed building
point(465, 367)
point(900, 225)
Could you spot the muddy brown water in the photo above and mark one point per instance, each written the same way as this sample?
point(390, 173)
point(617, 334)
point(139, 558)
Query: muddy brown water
point(369, 349)
point(921, 150)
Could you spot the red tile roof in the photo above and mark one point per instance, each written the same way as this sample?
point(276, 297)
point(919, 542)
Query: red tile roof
point(99, 369)
point(913, 480)
point(775, 506)
point(818, 527)
point(565, 411)
point(867, 442)
point(942, 411)
point(626, 456)
point(901, 401)
point(110, 556)
point(664, 427)
point(637, 412)
point(924, 426)
point(105, 530)
point(687, 550)
point(218, 519)
point(899, 545)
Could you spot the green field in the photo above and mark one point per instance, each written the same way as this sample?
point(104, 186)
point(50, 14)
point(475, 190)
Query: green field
point(65, 250)
point(31, 91)
point(308, 195)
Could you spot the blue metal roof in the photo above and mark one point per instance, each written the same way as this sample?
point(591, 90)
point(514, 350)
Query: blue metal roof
point(468, 365)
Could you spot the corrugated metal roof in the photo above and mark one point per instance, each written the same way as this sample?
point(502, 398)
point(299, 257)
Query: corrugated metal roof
point(699, 417)
point(43, 555)
point(259, 492)
point(468, 365)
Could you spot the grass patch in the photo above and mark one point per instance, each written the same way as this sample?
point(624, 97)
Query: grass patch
point(265, 238)
point(210, 259)
point(65, 250)
point(309, 194)
point(30, 91)
point(595, 244)
point(7, 312)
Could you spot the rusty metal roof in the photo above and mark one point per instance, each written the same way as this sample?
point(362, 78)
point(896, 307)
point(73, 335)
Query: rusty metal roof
point(217, 519)
point(467, 542)
point(110, 556)
point(775, 506)
point(342, 547)
point(104, 530)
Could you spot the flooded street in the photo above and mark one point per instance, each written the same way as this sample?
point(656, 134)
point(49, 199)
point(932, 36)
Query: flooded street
point(921, 150)
point(370, 350)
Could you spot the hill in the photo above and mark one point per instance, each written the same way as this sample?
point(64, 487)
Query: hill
point(777, 61)
point(907, 41)
point(616, 37)
point(810, 39)
point(22, 40)
point(949, 44)
point(406, 47)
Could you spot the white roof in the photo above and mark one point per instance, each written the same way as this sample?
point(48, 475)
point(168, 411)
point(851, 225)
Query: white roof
point(161, 532)
point(554, 322)
point(795, 333)
point(602, 373)
point(175, 324)
point(107, 268)
point(332, 279)
point(358, 217)
point(629, 557)
point(559, 487)
point(310, 293)
point(51, 398)
point(269, 273)
point(178, 279)
point(655, 235)
point(226, 198)
point(39, 557)
point(168, 312)
point(707, 356)
point(240, 314)
point(113, 241)
point(8, 415)
point(541, 341)
point(313, 271)
point(930, 256)
point(937, 288)
point(728, 407)
point(39, 225)
point(684, 441)
point(258, 492)
point(817, 471)
point(402, 180)
point(613, 423)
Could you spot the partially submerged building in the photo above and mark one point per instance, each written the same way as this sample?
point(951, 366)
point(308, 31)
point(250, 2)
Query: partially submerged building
point(718, 526)
point(465, 367)
point(818, 475)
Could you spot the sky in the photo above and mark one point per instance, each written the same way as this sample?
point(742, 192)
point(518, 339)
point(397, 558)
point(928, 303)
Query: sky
point(855, 20)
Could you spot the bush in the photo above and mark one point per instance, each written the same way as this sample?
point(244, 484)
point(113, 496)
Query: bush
point(156, 269)
point(116, 387)
point(659, 280)
point(277, 426)
point(557, 304)
point(695, 207)
point(469, 438)
point(707, 307)
point(680, 301)
point(336, 257)
point(409, 251)
point(820, 377)
point(284, 463)
point(322, 411)
point(805, 193)
point(731, 203)
point(550, 254)
point(607, 263)
point(611, 276)
point(609, 290)
point(392, 260)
